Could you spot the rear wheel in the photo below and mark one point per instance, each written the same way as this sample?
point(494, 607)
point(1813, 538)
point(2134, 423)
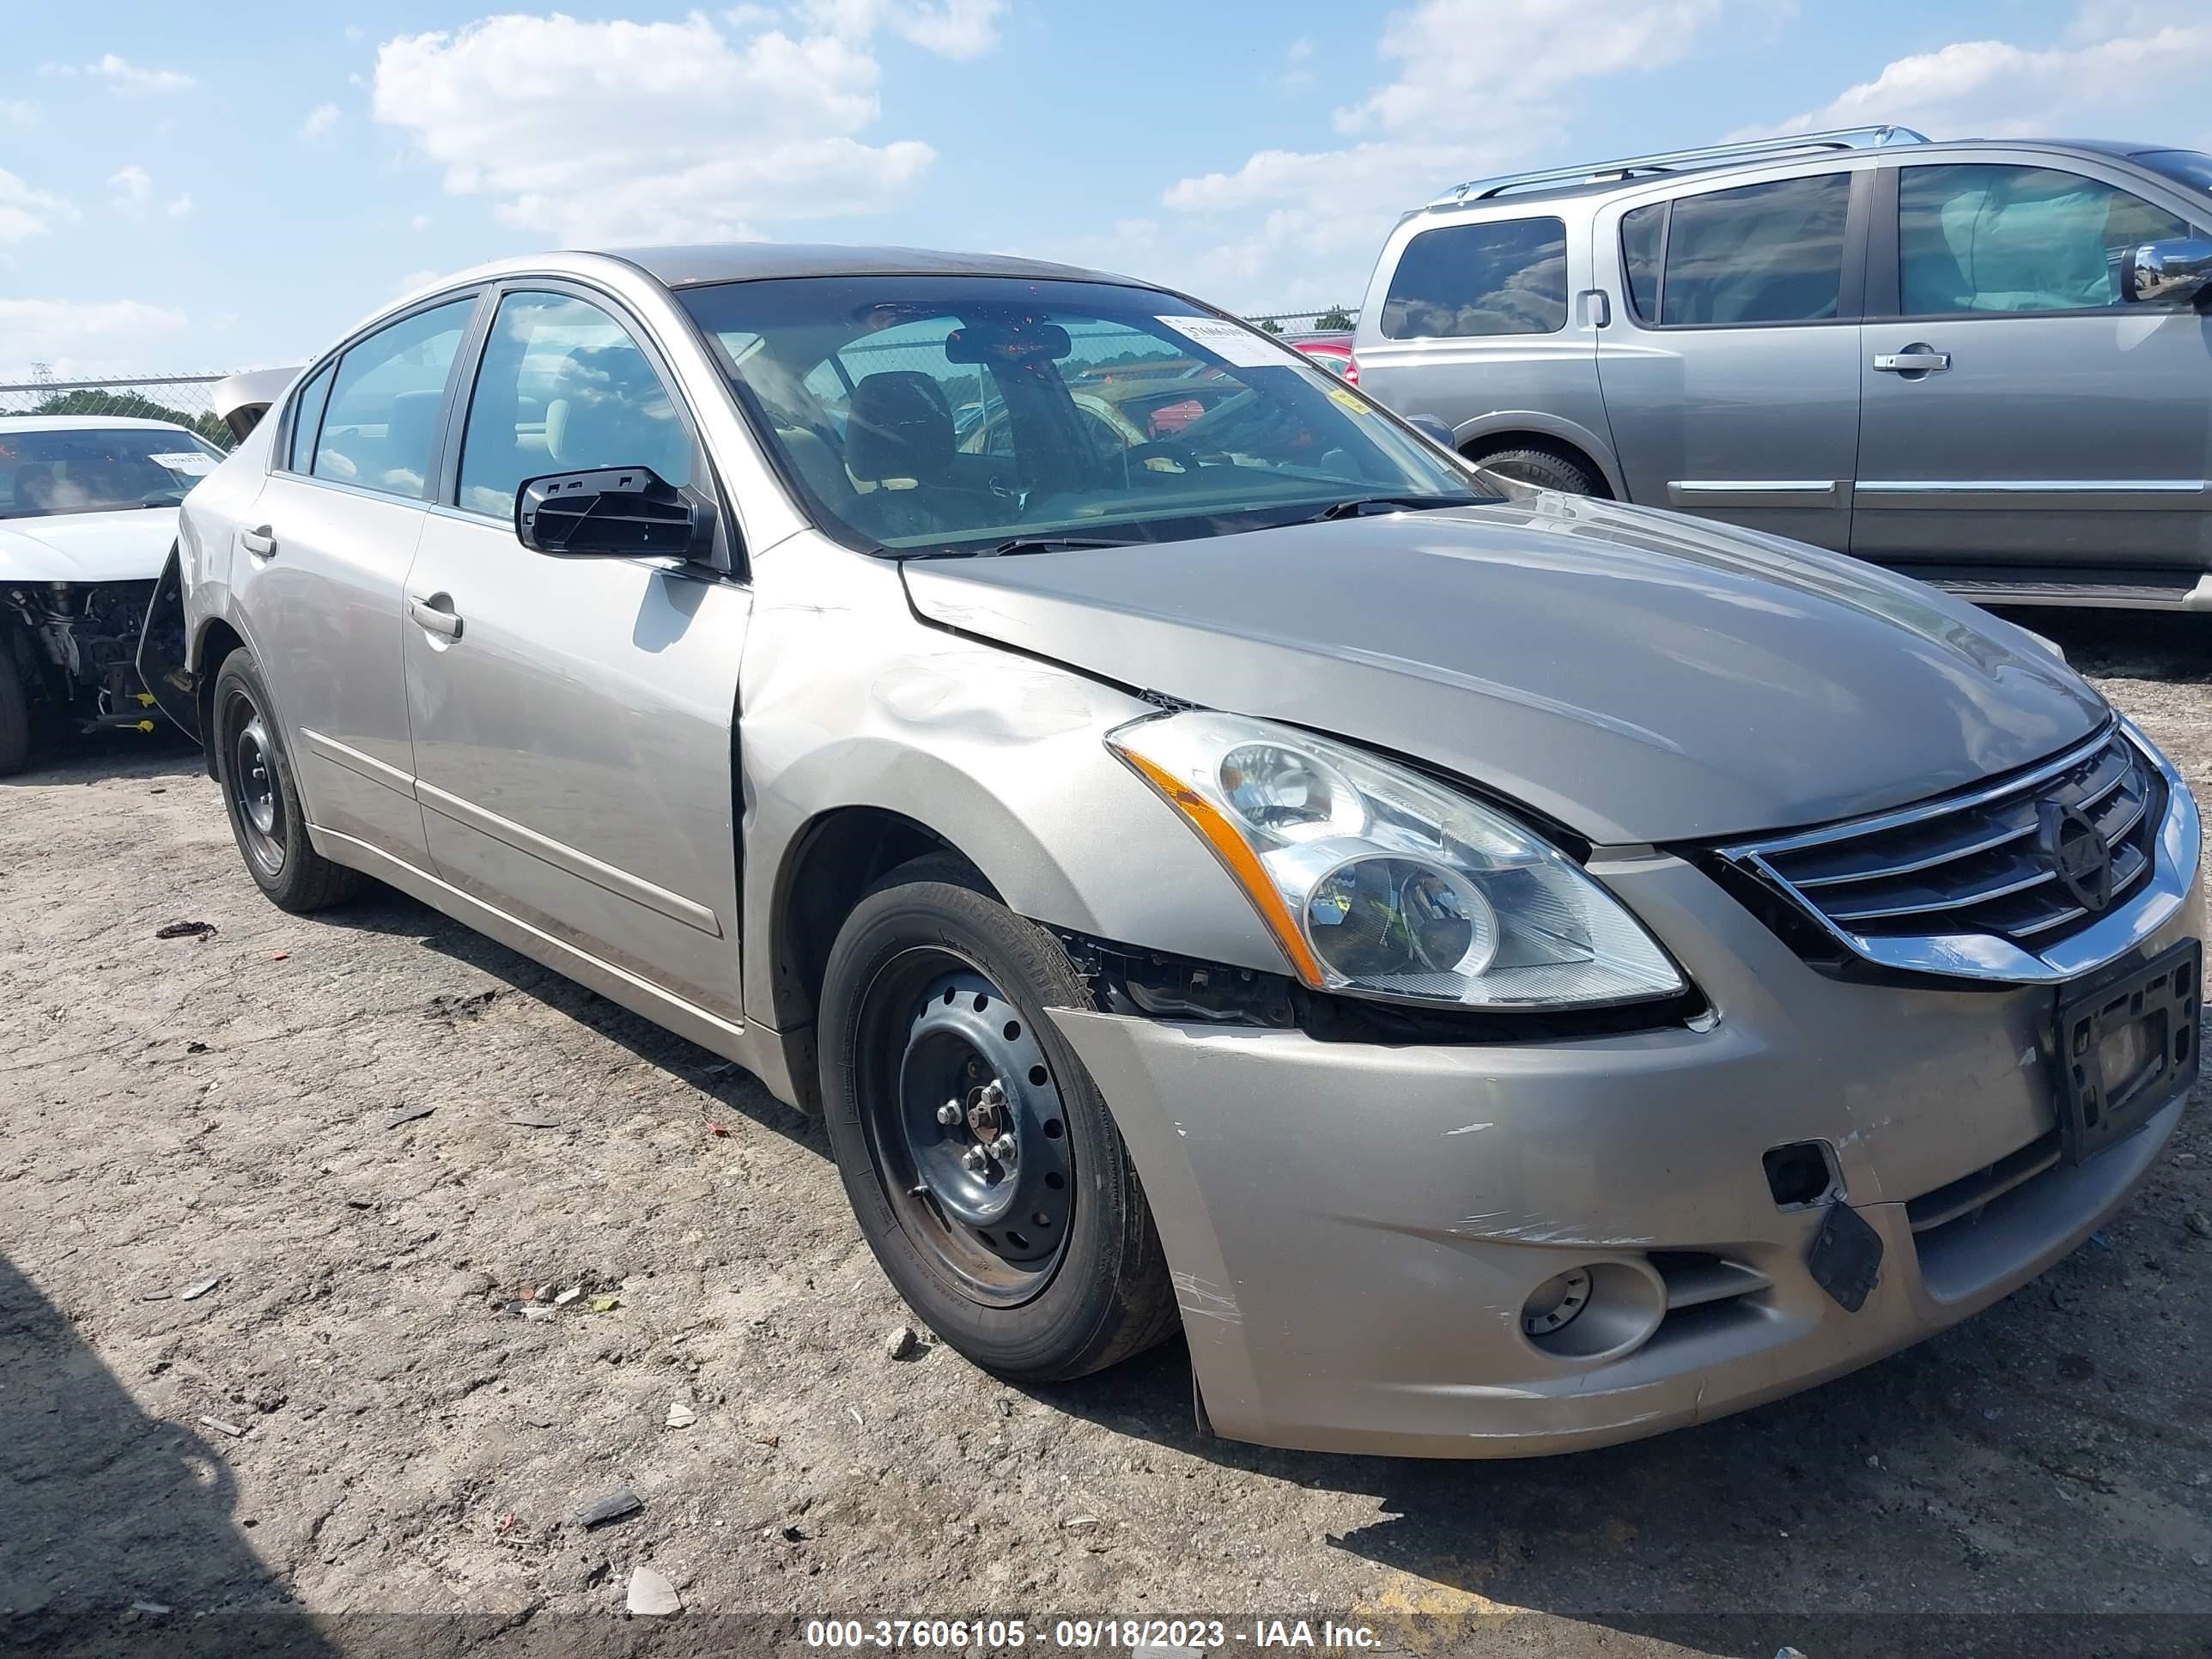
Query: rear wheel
point(980, 1158)
point(1541, 468)
point(263, 800)
point(15, 713)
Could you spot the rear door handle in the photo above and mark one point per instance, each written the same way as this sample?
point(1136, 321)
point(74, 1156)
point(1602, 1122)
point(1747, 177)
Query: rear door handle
point(1913, 360)
point(261, 541)
point(434, 613)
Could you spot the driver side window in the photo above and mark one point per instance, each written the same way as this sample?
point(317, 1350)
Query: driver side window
point(1978, 238)
point(564, 387)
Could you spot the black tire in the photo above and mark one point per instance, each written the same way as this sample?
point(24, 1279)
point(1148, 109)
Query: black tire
point(15, 713)
point(1541, 468)
point(260, 793)
point(1105, 1295)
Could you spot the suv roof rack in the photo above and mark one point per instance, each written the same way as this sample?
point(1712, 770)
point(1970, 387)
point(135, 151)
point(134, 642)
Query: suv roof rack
point(1627, 167)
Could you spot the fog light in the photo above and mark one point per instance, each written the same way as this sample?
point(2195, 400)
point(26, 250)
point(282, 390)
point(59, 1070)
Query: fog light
point(1597, 1311)
point(1555, 1304)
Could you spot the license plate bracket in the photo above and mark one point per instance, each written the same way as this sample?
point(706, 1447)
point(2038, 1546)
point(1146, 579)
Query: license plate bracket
point(2121, 1044)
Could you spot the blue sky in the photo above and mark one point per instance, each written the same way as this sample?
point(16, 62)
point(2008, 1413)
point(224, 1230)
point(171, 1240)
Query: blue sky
point(189, 187)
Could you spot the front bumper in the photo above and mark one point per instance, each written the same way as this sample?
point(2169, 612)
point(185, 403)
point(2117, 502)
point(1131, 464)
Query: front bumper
point(1354, 1230)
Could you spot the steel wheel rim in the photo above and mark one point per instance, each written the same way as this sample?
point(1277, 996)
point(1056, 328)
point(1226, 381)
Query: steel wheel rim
point(257, 787)
point(987, 1190)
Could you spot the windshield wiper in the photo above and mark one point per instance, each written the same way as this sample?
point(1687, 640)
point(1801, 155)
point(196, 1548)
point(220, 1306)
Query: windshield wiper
point(1363, 504)
point(1023, 545)
point(1055, 545)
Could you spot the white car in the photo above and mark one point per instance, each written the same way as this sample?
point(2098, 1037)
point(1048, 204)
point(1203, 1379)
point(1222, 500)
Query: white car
point(88, 513)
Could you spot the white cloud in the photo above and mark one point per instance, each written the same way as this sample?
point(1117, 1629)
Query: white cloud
point(133, 187)
point(25, 213)
point(19, 113)
point(178, 206)
point(123, 75)
point(55, 331)
point(420, 222)
point(1995, 90)
point(1473, 86)
point(951, 28)
point(624, 132)
point(414, 279)
point(321, 119)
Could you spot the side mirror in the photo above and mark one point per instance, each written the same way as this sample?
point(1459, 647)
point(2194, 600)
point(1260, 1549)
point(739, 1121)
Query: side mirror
point(613, 513)
point(2166, 273)
point(1434, 430)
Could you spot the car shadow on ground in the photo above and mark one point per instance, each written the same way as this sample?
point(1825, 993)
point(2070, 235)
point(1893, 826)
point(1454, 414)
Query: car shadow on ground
point(1875, 1516)
point(2136, 645)
point(118, 1531)
point(71, 758)
point(381, 909)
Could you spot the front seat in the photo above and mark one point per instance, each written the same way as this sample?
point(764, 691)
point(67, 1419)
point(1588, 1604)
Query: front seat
point(899, 438)
point(612, 410)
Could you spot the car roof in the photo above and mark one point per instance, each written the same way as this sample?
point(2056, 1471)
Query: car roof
point(741, 262)
point(84, 423)
point(1907, 154)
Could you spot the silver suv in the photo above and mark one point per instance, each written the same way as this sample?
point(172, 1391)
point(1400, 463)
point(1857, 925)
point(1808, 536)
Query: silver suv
point(1983, 363)
point(1504, 974)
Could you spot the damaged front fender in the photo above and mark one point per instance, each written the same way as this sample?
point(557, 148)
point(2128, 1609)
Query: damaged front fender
point(162, 651)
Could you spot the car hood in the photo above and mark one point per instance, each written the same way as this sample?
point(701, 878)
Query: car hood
point(1637, 676)
point(124, 546)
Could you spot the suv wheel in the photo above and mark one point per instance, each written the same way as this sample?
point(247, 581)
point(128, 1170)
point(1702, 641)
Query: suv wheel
point(1542, 469)
point(258, 790)
point(983, 1164)
point(15, 713)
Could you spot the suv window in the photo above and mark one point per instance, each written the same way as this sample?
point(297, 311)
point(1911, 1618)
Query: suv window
point(1981, 238)
point(1506, 277)
point(1760, 253)
point(1643, 238)
point(307, 420)
point(382, 422)
point(564, 387)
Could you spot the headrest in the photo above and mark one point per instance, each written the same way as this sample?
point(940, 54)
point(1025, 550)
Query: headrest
point(407, 429)
point(898, 425)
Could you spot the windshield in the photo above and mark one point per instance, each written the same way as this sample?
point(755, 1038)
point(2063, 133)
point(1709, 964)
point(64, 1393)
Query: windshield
point(2186, 167)
point(99, 469)
point(959, 414)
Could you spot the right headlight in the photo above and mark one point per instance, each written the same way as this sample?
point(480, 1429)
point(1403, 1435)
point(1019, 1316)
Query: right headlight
point(1378, 882)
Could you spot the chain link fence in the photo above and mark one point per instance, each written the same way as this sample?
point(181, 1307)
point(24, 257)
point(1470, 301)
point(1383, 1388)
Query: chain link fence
point(188, 399)
point(1331, 319)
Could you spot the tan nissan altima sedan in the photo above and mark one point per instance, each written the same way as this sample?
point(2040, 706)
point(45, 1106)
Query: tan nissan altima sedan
point(1503, 972)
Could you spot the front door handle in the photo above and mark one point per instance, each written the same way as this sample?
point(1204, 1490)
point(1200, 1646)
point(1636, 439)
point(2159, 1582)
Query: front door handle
point(435, 613)
point(260, 541)
point(1913, 360)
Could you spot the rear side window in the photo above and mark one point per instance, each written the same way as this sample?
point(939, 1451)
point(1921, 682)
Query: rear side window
point(1999, 238)
point(1643, 235)
point(1763, 253)
point(307, 420)
point(1508, 278)
point(381, 424)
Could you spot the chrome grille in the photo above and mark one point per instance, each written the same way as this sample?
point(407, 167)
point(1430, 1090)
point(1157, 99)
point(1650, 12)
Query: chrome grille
point(1971, 864)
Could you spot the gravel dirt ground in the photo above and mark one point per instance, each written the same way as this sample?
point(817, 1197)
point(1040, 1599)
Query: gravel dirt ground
point(260, 1346)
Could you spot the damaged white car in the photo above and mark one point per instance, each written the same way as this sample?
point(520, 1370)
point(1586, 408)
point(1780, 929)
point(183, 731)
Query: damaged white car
point(88, 513)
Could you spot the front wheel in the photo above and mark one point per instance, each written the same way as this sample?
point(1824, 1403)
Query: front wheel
point(981, 1161)
point(263, 799)
point(1542, 469)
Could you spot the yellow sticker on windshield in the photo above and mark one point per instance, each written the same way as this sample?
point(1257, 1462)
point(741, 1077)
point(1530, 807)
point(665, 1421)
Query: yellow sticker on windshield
point(1344, 399)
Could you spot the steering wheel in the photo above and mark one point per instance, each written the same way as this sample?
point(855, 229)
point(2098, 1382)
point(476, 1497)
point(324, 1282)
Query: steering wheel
point(1184, 456)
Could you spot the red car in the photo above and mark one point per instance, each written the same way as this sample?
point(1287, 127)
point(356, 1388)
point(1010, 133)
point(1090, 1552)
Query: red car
point(1332, 350)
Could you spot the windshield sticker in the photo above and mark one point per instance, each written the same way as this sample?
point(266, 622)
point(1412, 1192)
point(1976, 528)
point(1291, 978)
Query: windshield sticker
point(1345, 401)
point(188, 461)
point(1235, 346)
